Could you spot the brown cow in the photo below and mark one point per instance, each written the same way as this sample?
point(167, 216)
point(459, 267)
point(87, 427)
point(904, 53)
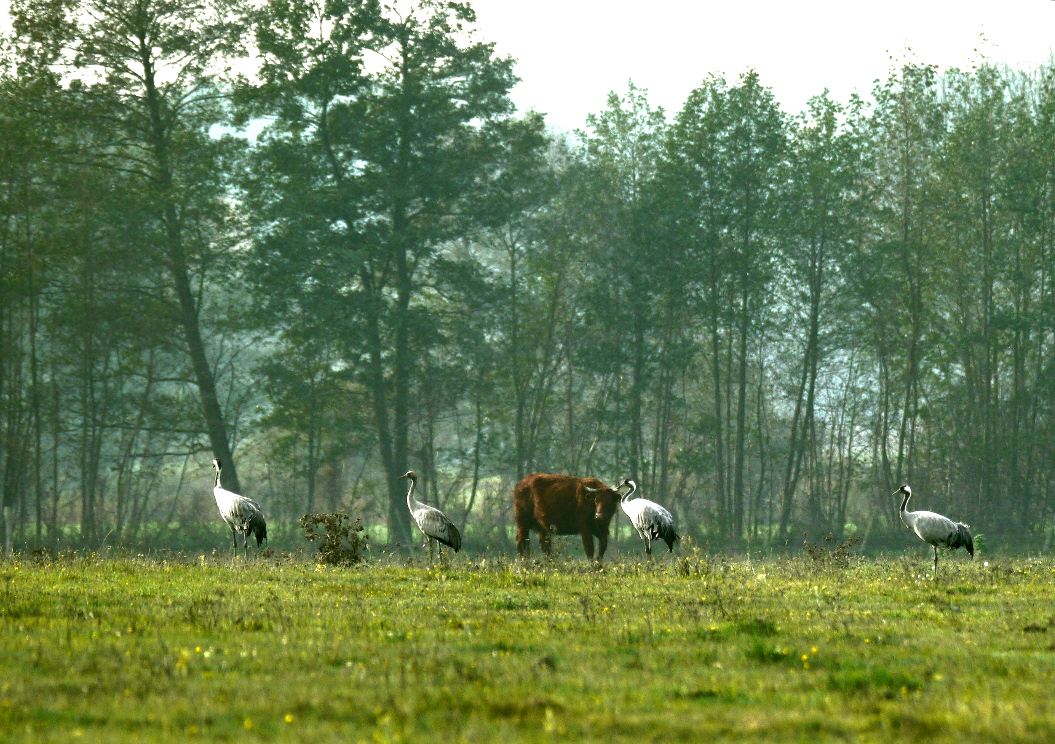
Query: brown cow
point(563, 505)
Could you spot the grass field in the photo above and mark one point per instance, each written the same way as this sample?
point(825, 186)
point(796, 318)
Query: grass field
point(697, 648)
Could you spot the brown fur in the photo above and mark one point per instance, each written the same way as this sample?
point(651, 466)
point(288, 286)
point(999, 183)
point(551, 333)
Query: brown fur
point(560, 505)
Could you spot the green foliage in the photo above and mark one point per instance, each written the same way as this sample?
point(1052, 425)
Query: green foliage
point(385, 127)
point(341, 543)
point(764, 653)
point(757, 626)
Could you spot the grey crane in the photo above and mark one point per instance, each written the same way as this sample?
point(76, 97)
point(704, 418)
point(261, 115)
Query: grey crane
point(431, 521)
point(935, 529)
point(650, 519)
point(242, 514)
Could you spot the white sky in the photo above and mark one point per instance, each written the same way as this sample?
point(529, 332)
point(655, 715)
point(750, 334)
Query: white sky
point(571, 53)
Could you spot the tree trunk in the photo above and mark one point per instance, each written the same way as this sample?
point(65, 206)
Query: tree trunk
point(188, 310)
point(215, 422)
point(716, 374)
point(741, 421)
point(8, 531)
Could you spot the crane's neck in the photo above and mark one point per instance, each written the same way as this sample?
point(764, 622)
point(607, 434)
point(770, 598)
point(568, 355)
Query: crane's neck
point(626, 496)
point(216, 483)
point(410, 491)
point(906, 515)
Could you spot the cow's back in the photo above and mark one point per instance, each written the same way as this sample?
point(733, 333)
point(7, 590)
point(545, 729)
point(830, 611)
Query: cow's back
point(546, 501)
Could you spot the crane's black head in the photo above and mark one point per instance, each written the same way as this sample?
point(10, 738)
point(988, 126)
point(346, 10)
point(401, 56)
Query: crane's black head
point(260, 530)
point(629, 484)
point(962, 539)
point(903, 490)
point(410, 474)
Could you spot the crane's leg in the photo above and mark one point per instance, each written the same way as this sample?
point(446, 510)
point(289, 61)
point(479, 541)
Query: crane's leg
point(935, 558)
point(245, 545)
point(648, 547)
point(432, 550)
point(234, 541)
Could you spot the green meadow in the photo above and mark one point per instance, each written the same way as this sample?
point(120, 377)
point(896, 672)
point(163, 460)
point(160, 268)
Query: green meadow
point(820, 647)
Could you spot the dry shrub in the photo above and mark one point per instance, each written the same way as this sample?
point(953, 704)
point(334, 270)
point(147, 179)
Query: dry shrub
point(836, 556)
point(340, 543)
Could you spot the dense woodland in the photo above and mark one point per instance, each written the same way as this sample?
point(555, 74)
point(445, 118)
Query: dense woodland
point(315, 239)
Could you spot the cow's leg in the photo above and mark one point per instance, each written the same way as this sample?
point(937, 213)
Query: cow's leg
point(523, 540)
point(587, 543)
point(602, 544)
point(545, 542)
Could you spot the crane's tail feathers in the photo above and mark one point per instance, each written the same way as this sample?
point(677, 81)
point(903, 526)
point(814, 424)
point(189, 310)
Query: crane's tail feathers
point(669, 536)
point(665, 533)
point(455, 544)
point(258, 527)
point(962, 539)
point(452, 540)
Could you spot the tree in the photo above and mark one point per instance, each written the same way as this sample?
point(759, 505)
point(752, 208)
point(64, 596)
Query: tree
point(624, 151)
point(390, 156)
point(151, 92)
point(698, 184)
point(817, 234)
point(755, 146)
point(908, 125)
point(517, 205)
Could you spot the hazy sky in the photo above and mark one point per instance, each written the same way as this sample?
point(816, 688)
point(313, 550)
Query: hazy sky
point(571, 53)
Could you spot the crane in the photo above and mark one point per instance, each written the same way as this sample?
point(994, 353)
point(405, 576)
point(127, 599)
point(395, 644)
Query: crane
point(650, 519)
point(431, 521)
point(242, 514)
point(935, 529)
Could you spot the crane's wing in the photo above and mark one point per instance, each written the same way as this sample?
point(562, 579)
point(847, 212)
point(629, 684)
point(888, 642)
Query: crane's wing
point(245, 509)
point(255, 525)
point(932, 527)
point(248, 518)
point(227, 503)
point(435, 524)
point(659, 523)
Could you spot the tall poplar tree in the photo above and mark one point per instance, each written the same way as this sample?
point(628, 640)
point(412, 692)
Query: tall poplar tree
point(381, 134)
point(149, 77)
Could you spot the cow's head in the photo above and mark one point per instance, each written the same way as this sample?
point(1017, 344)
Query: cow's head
point(604, 500)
